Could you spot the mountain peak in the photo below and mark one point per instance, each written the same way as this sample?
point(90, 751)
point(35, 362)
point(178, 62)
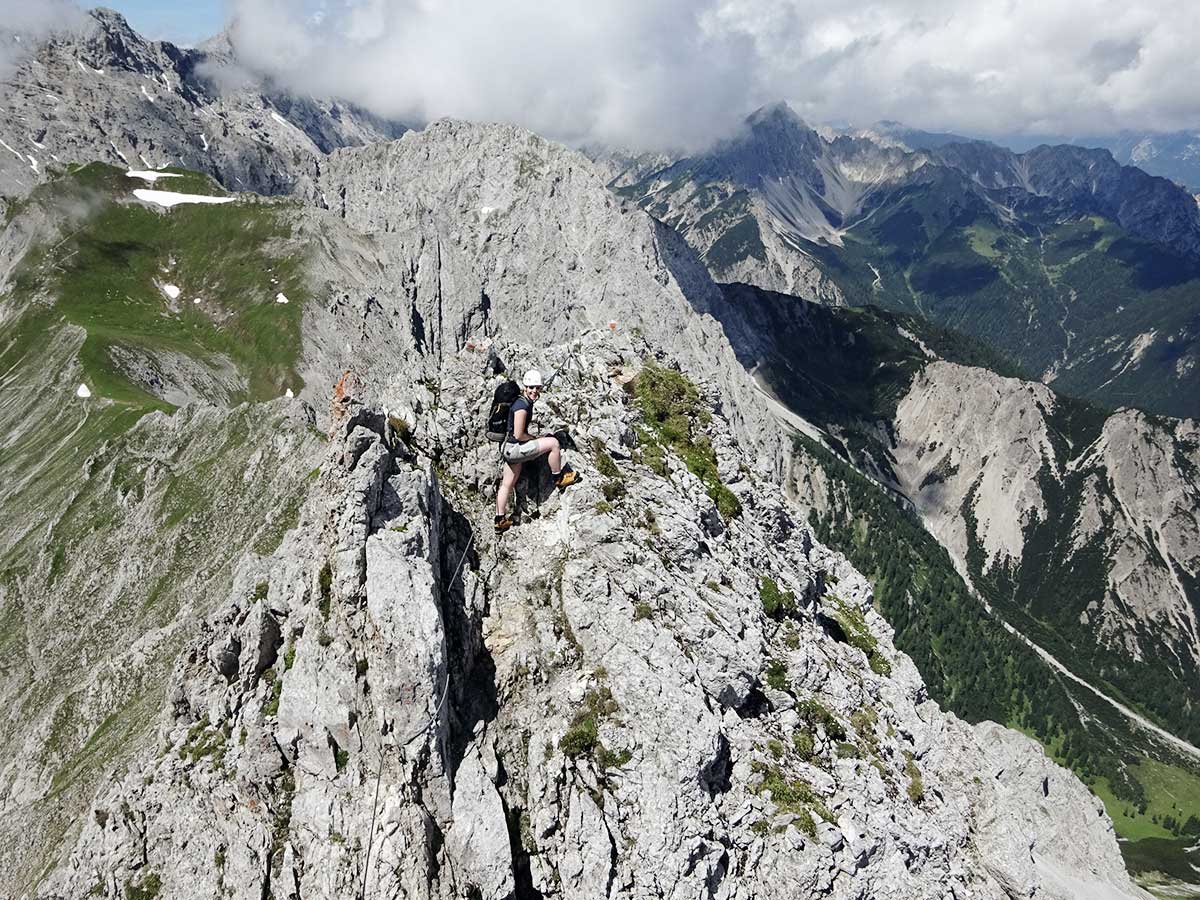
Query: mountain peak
point(111, 21)
point(774, 142)
point(777, 113)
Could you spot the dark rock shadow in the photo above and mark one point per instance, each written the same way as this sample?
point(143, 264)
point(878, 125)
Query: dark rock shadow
point(534, 488)
point(472, 698)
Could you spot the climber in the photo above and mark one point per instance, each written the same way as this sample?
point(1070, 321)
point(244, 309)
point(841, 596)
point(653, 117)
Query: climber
point(520, 447)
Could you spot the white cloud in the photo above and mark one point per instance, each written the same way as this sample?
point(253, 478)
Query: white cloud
point(23, 22)
point(574, 69)
point(653, 73)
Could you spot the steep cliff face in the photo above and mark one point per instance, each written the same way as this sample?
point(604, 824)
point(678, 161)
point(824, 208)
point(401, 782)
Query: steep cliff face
point(1149, 468)
point(631, 693)
point(967, 438)
point(1084, 522)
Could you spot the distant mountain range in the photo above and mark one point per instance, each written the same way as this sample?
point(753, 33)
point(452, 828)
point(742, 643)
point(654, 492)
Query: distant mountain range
point(1171, 154)
point(1084, 272)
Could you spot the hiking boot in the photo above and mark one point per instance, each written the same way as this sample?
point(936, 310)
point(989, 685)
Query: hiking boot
point(565, 478)
point(503, 523)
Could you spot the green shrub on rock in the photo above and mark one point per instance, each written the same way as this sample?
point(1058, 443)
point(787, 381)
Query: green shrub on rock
point(776, 602)
point(777, 675)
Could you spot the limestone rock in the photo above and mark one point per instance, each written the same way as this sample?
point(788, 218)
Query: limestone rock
point(596, 704)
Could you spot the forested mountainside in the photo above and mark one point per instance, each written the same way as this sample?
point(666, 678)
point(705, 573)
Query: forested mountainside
point(940, 475)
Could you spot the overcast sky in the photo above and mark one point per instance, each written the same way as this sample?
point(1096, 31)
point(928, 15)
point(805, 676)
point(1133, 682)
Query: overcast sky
point(657, 73)
point(645, 72)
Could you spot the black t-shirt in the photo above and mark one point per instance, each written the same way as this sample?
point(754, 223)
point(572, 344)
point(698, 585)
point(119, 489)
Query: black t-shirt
point(521, 402)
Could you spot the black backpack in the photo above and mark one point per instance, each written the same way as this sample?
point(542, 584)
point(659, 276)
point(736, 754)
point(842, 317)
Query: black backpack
point(502, 400)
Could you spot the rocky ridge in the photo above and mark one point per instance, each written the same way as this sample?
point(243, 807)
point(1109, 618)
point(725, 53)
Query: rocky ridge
point(598, 705)
point(443, 241)
point(394, 295)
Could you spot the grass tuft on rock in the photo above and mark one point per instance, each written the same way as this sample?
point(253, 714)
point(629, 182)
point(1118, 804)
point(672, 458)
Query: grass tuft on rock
point(676, 418)
point(147, 889)
point(916, 786)
point(791, 795)
point(816, 713)
point(325, 584)
point(605, 464)
point(777, 675)
point(854, 625)
point(582, 739)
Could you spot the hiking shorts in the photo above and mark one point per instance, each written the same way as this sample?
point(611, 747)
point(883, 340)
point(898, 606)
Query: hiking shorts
point(519, 453)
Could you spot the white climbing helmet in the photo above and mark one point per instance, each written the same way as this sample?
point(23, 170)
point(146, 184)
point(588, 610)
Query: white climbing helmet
point(532, 378)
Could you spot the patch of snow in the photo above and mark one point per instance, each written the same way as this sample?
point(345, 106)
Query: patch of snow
point(145, 162)
point(15, 153)
point(83, 391)
point(146, 94)
point(1140, 345)
point(908, 335)
point(118, 152)
point(36, 144)
point(151, 176)
point(33, 164)
point(171, 291)
point(485, 211)
point(1137, 349)
point(289, 394)
point(204, 141)
point(280, 298)
point(280, 119)
point(196, 301)
point(167, 199)
point(88, 70)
